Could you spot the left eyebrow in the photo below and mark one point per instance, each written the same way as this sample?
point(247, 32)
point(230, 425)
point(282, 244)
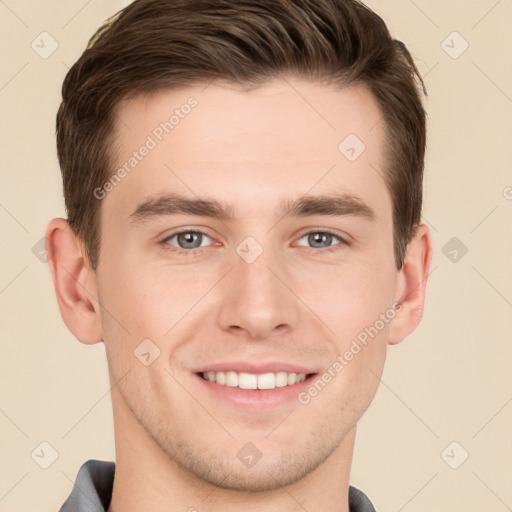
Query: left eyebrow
point(335, 205)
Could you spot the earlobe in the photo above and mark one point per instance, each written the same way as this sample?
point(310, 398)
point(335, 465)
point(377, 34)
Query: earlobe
point(411, 285)
point(74, 282)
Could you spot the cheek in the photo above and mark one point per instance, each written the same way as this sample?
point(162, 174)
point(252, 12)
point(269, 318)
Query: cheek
point(148, 300)
point(349, 299)
point(363, 305)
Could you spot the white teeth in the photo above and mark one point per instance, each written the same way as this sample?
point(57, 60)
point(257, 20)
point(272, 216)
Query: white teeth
point(281, 379)
point(231, 379)
point(245, 380)
point(266, 381)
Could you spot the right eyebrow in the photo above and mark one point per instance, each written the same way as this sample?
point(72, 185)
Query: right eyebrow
point(171, 204)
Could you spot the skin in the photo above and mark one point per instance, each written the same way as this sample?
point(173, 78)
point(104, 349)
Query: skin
point(176, 443)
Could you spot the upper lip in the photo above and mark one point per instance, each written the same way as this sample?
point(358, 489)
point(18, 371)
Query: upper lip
point(257, 368)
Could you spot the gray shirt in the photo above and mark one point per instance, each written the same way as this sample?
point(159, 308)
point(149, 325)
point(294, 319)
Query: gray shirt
point(92, 491)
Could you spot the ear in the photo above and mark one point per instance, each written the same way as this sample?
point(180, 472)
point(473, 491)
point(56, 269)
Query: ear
point(74, 281)
point(411, 286)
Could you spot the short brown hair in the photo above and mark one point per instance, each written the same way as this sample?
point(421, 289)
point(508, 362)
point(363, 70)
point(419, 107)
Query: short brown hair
point(164, 44)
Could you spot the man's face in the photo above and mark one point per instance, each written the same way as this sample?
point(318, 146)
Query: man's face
point(263, 290)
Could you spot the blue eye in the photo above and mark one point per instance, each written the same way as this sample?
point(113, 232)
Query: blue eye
point(321, 240)
point(188, 239)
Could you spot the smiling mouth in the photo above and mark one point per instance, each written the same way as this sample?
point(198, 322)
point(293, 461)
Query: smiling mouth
point(243, 380)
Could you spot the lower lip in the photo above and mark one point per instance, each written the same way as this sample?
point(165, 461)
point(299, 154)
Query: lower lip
point(251, 398)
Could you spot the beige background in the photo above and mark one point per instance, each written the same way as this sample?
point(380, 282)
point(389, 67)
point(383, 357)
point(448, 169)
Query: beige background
point(449, 381)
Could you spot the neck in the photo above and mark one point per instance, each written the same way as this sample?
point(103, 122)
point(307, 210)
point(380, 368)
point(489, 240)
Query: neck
point(146, 478)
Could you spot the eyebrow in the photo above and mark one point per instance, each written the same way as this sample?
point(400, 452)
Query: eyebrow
point(336, 204)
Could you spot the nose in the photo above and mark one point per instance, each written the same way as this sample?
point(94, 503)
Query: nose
point(257, 301)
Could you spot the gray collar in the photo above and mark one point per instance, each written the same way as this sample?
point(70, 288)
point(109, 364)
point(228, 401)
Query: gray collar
point(92, 491)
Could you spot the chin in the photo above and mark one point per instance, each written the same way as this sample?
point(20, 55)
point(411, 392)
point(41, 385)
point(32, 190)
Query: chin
point(271, 468)
point(263, 477)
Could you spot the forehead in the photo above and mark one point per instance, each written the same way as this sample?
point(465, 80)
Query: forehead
point(287, 136)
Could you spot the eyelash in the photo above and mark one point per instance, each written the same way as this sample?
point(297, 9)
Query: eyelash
point(192, 252)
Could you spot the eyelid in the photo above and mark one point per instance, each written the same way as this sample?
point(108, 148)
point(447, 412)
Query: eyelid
point(186, 230)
